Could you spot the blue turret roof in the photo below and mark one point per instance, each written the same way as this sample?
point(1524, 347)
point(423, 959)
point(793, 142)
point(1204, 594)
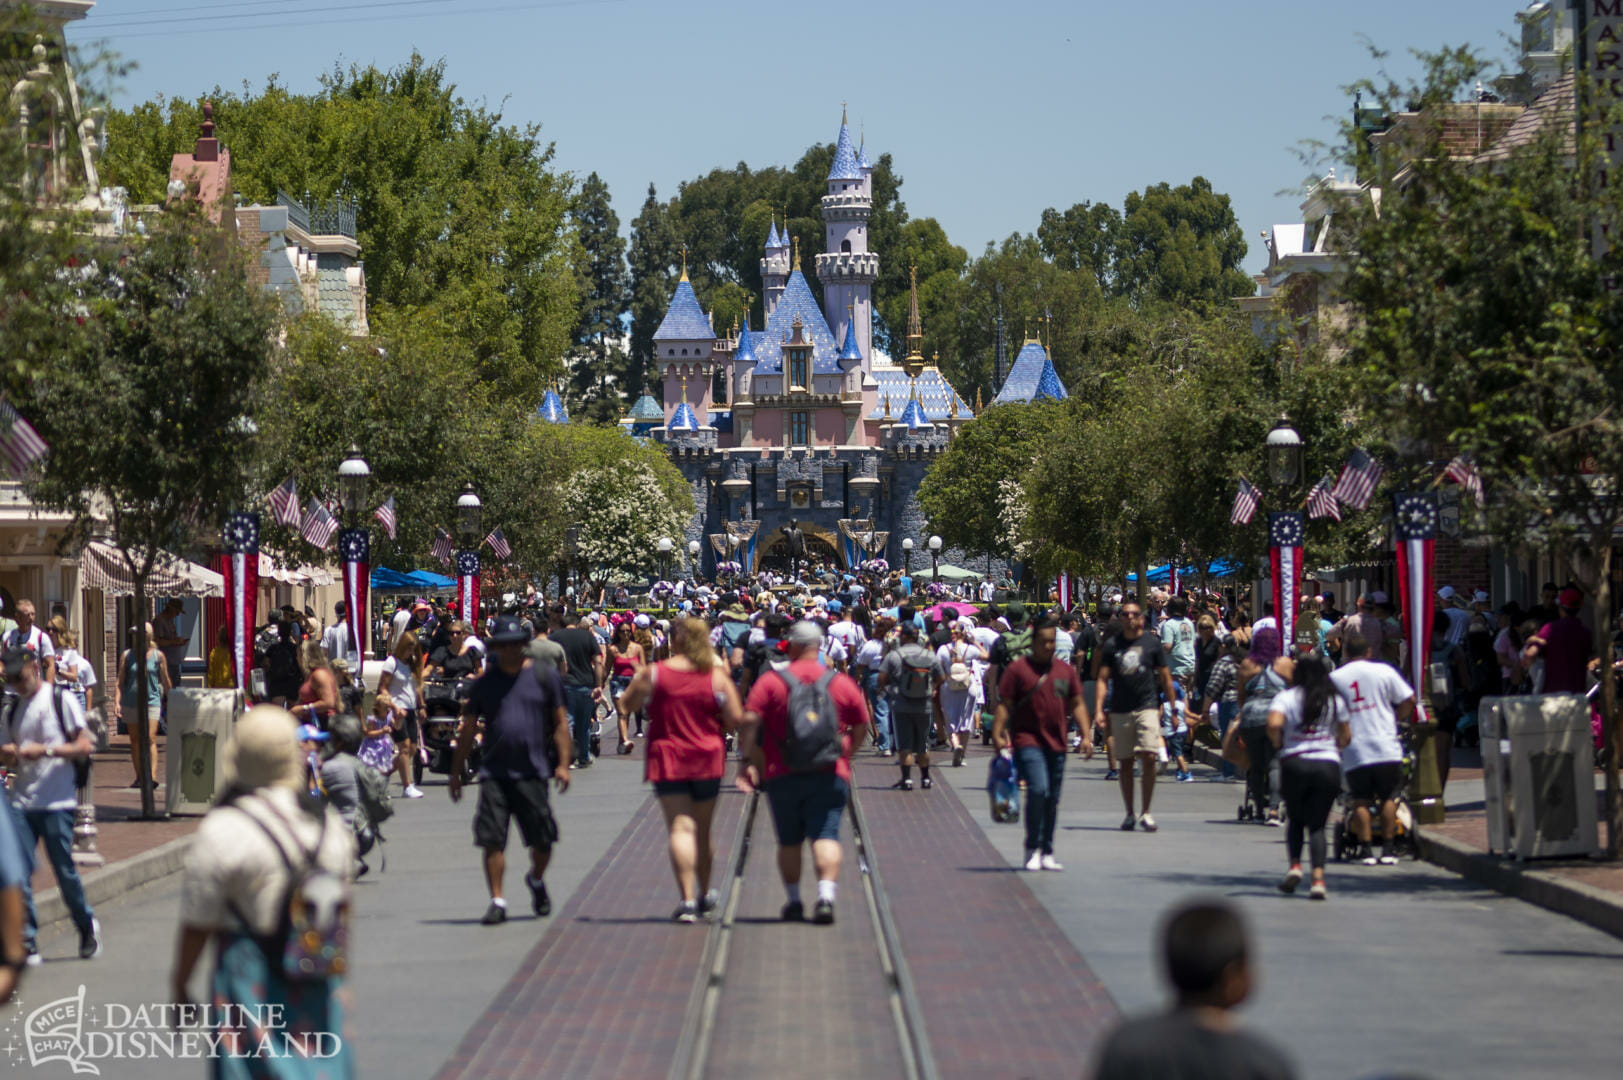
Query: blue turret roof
point(683, 419)
point(913, 416)
point(773, 240)
point(552, 409)
point(746, 346)
point(684, 320)
point(1032, 378)
point(797, 300)
point(849, 353)
point(862, 156)
point(936, 396)
point(645, 409)
point(845, 165)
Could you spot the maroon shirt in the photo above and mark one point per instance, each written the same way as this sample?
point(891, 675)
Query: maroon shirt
point(1040, 718)
point(1567, 645)
point(685, 740)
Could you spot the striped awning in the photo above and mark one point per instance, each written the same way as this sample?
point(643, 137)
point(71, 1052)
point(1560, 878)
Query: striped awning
point(303, 574)
point(103, 567)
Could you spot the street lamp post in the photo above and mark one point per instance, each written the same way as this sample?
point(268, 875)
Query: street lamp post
point(907, 556)
point(571, 553)
point(693, 558)
point(935, 558)
point(1283, 449)
point(469, 510)
point(355, 548)
point(665, 546)
point(353, 476)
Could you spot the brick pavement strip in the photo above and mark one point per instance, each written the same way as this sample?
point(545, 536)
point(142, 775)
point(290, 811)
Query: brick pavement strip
point(806, 1000)
point(606, 990)
point(977, 943)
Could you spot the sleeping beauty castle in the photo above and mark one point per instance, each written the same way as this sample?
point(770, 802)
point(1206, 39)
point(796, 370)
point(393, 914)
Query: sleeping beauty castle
point(802, 420)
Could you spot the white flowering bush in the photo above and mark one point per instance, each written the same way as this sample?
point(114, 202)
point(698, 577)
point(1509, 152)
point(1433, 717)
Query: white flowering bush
point(1014, 511)
point(622, 512)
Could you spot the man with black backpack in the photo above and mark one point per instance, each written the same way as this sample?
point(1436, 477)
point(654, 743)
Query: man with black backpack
point(802, 723)
point(917, 675)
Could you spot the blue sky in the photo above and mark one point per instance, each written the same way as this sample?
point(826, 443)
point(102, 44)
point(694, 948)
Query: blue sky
point(993, 111)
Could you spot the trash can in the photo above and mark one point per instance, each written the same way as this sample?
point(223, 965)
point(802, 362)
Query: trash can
point(199, 724)
point(1538, 775)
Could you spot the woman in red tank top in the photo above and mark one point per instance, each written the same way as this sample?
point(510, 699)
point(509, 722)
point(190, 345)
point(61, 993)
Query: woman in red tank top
point(691, 704)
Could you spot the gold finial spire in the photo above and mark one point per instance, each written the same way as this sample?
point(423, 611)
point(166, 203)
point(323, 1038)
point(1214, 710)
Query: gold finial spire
point(978, 405)
point(914, 361)
point(935, 360)
point(887, 405)
point(842, 114)
point(684, 262)
point(797, 253)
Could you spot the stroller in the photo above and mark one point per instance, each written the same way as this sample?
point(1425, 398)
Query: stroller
point(1345, 844)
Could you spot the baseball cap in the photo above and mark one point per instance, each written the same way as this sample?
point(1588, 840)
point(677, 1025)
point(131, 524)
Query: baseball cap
point(1480, 596)
point(15, 658)
point(1567, 598)
point(1379, 598)
point(507, 630)
point(1016, 613)
point(1446, 593)
point(805, 632)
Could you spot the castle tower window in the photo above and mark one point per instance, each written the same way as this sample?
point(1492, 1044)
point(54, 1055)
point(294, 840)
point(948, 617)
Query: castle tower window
point(797, 368)
point(845, 245)
point(798, 429)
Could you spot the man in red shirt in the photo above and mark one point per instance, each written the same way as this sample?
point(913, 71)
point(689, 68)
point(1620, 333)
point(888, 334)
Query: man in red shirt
point(1566, 646)
point(806, 806)
point(1037, 697)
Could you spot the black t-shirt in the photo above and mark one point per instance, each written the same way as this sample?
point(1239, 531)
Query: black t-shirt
point(581, 648)
point(1175, 1046)
point(518, 711)
point(1084, 640)
point(1133, 667)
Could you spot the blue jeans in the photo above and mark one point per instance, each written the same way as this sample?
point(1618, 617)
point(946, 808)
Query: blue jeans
point(1226, 712)
point(582, 711)
point(55, 827)
point(879, 703)
point(1044, 774)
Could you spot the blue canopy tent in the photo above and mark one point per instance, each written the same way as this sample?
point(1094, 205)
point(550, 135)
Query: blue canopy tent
point(386, 580)
point(1220, 568)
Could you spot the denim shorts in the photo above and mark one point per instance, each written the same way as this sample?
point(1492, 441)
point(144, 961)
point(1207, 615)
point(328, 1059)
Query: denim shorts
point(807, 806)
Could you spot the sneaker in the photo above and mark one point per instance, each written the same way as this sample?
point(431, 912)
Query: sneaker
point(958, 757)
point(1185, 778)
point(90, 941)
point(494, 914)
point(1111, 773)
point(1034, 861)
point(412, 792)
point(1292, 878)
point(33, 959)
point(1389, 859)
point(1146, 822)
point(1051, 863)
point(686, 912)
point(904, 785)
point(1368, 857)
point(794, 911)
point(709, 902)
point(1318, 891)
point(624, 747)
point(823, 913)
point(361, 869)
point(540, 902)
point(926, 783)
point(1273, 819)
point(584, 763)
point(1128, 822)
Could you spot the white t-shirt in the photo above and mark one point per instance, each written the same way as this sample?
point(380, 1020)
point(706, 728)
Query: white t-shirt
point(401, 686)
point(871, 654)
point(72, 667)
point(37, 639)
point(987, 589)
point(849, 634)
point(1373, 690)
point(45, 783)
point(1318, 744)
point(233, 869)
point(1064, 646)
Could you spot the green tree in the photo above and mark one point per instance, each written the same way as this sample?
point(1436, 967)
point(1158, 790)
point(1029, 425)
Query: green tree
point(1084, 239)
point(459, 212)
point(604, 290)
point(655, 252)
point(1180, 244)
point(146, 405)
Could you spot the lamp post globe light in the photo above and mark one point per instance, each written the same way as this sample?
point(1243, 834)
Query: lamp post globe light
point(468, 512)
point(353, 476)
point(1283, 450)
point(935, 557)
point(665, 545)
point(693, 557)
point(907, 556)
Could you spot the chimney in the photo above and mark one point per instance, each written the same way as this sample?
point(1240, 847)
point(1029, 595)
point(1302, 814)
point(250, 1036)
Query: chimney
point(208, 147)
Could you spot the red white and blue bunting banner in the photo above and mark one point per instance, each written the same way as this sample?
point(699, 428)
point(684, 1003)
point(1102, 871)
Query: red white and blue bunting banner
point(240, 539)
point(355, 551)
point(1285, 530)
point(467, 587)
point(1067, 585)
point(1414, 515)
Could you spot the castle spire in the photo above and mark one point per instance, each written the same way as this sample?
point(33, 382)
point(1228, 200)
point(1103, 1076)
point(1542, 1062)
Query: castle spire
point(914, 362)
point(978, 405)
point(684, 263)
point(797, 253)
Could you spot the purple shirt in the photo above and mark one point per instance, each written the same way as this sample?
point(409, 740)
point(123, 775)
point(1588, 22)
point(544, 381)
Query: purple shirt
point(1566, 655)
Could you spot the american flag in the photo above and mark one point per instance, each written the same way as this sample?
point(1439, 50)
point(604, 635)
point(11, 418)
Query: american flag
point(1463, 471)
point(1245, 503)
point(284, 504)
point(19, 441)
point(385, 516)
point(443, 546)
point(1359, 478)
point(498, 544)
point(1320, 502)
point(318, 525)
